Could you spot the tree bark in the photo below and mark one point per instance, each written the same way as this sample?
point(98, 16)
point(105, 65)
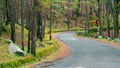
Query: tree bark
point(108, 6)
point(0, 18)
point(86, 22)
point(33, 32)
point(100, 18)
point(13, 20)
point(29, 24)
point(50, 21)
point(115, 13)
point(40, 25)
point(22, 23)
point(7, 9)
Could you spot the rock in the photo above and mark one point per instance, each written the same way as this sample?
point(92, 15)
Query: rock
point(14, 49)
point(100, 37)
point(116, 39)
point(109, 39)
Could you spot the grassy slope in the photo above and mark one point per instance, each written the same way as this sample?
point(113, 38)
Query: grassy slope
point(11, 60)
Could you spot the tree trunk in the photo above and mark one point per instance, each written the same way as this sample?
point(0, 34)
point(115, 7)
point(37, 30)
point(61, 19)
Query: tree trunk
point(50, 21)
point(68, 15)
point(22, 23)
point(13, 20)
point(115, 13)
point(0, 18)
point(33, 34)
point(116, 4)
point(86, 22)
point(100, 18)
point(108, 17)
point(44, 25)
point(29, 23)
point(40, 25)
point(7, 9)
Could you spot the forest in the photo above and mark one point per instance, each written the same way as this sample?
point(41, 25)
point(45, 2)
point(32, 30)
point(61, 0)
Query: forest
point(32, 23)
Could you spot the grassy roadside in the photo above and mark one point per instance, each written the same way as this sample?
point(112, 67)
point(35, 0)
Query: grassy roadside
point(61, 52)
point(43, 54)
point(50, 57)
point(12, 61)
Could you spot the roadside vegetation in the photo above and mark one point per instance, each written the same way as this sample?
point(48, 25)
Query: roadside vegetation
point(30, 24)
point(43, 49)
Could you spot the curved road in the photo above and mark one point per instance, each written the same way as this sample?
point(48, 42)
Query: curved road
point(87, 53)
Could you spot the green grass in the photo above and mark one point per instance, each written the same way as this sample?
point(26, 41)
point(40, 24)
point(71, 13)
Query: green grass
point(12, 61)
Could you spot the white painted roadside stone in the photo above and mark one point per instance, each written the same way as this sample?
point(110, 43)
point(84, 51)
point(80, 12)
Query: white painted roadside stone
point(13, 49)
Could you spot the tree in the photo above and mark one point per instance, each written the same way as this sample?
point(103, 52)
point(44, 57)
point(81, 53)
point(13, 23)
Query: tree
point(108, 9)
point(50, 21)
point(39, 25)
point(87, 17)
point(7, 11)
point(22, 23)
point(0, 18)
point(76, 6)
point(33, 28)
point(115, 7)
point(68, 14)
point(100, 18)
point(12, 10)
point(28, 21)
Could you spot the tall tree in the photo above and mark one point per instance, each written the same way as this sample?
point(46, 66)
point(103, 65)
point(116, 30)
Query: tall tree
point(115, 14)
point(33, 28)
point(28, 21)
point(68, 14)
point(7, 11)
point(12, 9)
point(116, 21)
point(100, 18)
point(0, 18)
point(39, 25)
point(87, 17)
point(108, 9)
point(50, 21)
point(22, 23)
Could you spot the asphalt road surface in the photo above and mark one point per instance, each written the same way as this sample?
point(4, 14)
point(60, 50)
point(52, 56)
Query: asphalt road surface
point(87, 53)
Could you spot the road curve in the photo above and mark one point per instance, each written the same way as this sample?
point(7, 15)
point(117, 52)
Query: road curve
point(87, 53)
